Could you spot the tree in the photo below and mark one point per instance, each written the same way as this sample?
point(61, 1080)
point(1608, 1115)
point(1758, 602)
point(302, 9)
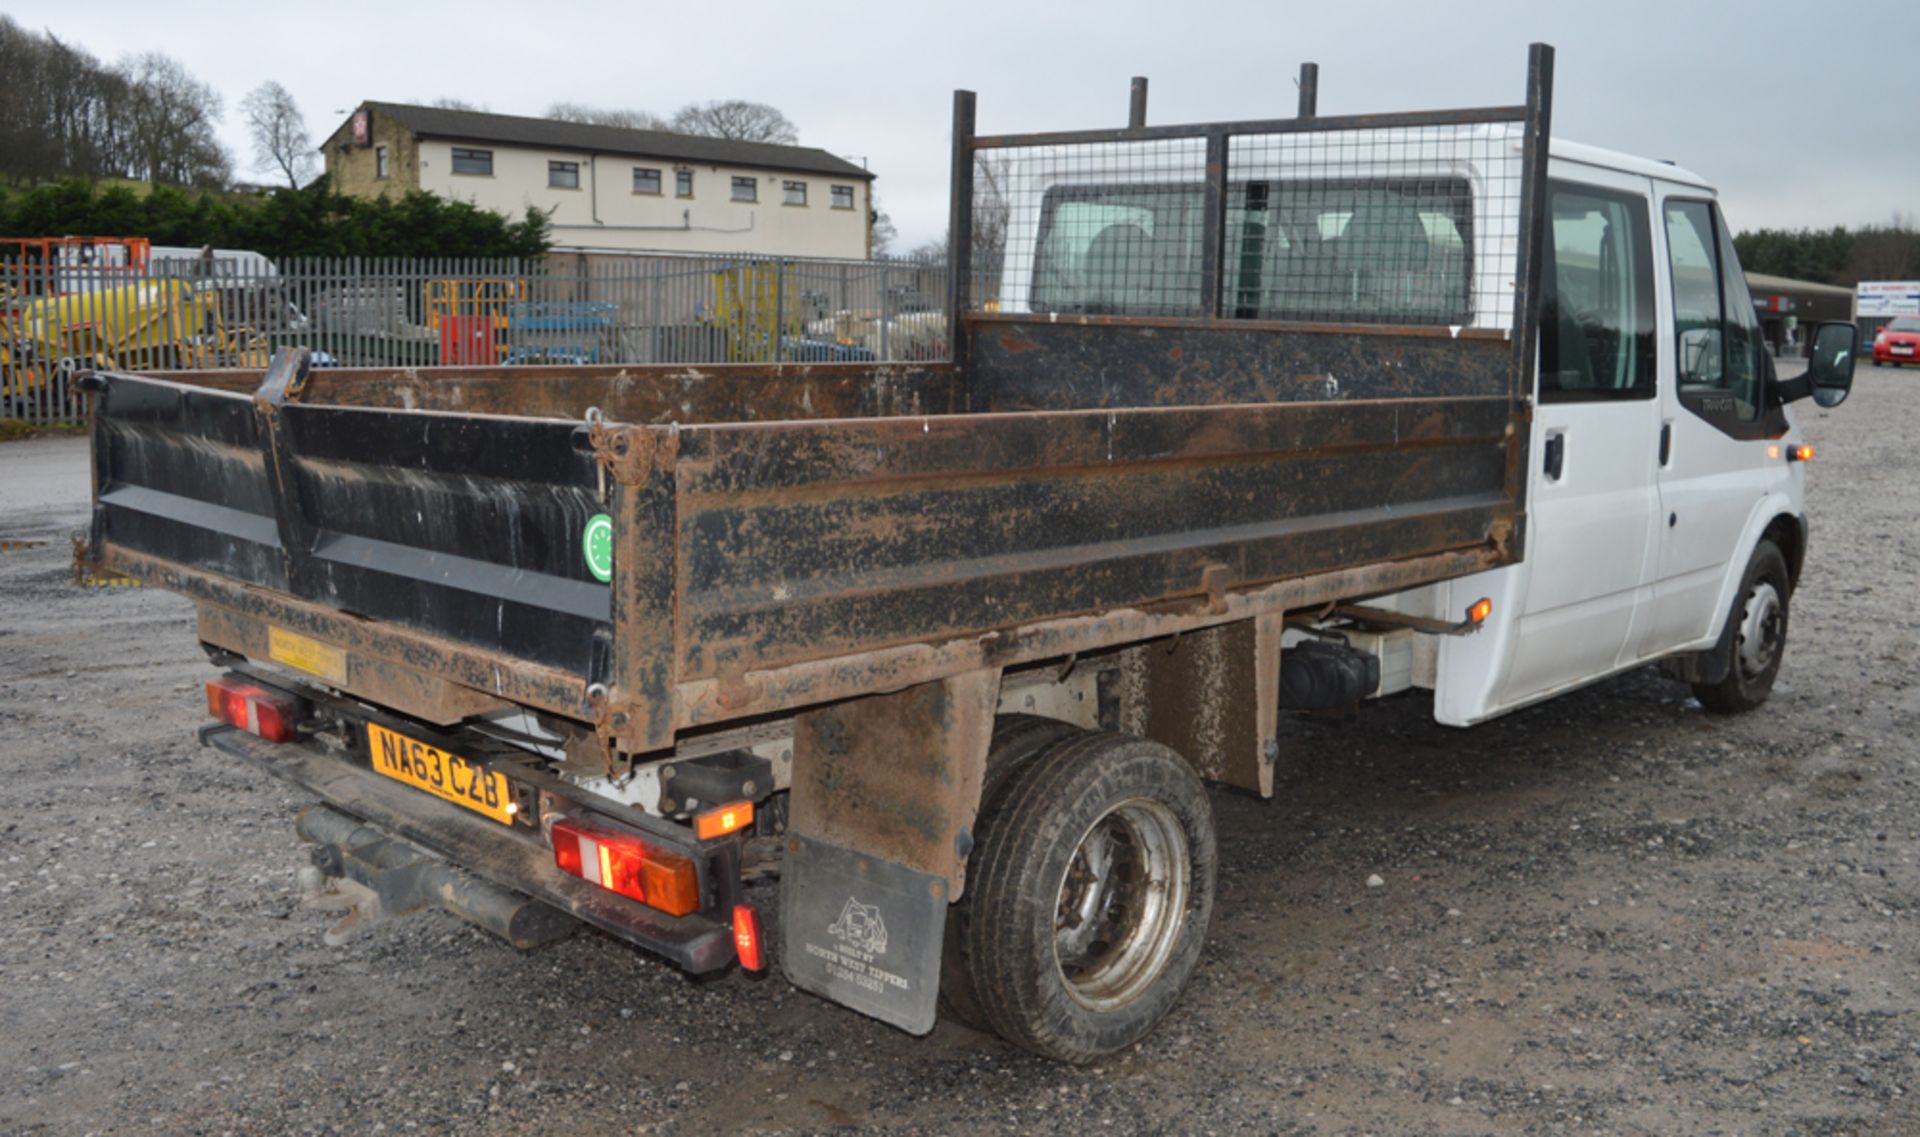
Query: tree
point(1891, 253)
point(737, 119)
point(630, 119)
point(448, 102)
point(280, 138)
point(312, 220)
point(931, 251)
point(171, 123)
point(61, 112)
point(884, 233)
point(1809, 254)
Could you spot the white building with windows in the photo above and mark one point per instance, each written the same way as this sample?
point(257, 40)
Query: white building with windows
point(611, 188)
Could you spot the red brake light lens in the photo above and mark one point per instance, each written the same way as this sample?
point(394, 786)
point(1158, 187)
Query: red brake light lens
point(622, 862)
point(272, 715)
point(746, 937)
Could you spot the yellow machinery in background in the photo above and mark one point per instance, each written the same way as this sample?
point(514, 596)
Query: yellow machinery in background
point(490, 296)
point(757, 306)
point(166, 324)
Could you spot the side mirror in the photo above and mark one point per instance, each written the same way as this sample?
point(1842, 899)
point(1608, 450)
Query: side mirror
point(1830, 362)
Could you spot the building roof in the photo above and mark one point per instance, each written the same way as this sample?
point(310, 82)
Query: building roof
point(1761, 282)
point(552, 134)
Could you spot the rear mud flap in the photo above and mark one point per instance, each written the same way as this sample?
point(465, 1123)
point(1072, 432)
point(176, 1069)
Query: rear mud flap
point(863, 932)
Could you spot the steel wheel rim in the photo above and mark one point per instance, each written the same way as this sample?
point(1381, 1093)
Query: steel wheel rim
point(1122, 904)
point(1762, 625)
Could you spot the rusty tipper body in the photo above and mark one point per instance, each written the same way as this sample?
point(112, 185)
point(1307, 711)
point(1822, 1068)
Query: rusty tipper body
point(590, 640)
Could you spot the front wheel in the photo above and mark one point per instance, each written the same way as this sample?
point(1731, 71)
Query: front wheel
point(1759, 635)
point(1091, 893)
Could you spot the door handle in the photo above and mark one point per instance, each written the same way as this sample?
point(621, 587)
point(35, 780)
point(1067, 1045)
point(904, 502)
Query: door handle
point(1556, 455)
point(1666, 442)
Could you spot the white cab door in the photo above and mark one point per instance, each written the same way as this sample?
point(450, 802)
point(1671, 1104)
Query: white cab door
point(1566, 614)
point(1714, 473)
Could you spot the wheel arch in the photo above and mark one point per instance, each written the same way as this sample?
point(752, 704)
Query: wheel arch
point(1789, 532)
point(1777, 518)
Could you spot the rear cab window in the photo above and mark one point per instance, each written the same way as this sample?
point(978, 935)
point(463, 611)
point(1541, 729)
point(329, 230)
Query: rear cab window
point(1379, 251)
point(1597, 312)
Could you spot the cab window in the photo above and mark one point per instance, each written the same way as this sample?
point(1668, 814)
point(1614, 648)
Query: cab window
point(1717, 336)
point(1394, 252)
point(1596, 328)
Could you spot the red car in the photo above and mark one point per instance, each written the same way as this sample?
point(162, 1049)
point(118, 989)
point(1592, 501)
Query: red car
point(1898, 342)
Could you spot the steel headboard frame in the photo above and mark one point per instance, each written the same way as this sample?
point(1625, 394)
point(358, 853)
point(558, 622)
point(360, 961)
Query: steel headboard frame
point(1163, 161)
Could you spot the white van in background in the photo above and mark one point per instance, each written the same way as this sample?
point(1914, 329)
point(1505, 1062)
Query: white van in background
point(208, 263)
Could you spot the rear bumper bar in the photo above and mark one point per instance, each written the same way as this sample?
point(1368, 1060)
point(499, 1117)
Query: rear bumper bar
point(506, 857)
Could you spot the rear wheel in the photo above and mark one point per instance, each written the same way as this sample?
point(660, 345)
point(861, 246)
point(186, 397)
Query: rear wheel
point(1759, 635)
point(1016, 740)
point(1090, 896)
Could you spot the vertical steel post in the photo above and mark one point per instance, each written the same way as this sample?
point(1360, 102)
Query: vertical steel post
point(885, 309)
point(960, 226)
point(659, 283)
point(1137, 107)
point(777, 348)
point(1309, 90)
point(1213, 227)
point(1531, 249)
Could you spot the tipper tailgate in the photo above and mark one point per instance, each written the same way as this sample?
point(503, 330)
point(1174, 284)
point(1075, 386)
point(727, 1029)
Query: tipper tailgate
point(470, 528)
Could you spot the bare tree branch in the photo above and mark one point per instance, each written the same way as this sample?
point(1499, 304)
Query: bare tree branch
point(280, 138)
point(171, 119)
point(631, 119)
point(737, 119)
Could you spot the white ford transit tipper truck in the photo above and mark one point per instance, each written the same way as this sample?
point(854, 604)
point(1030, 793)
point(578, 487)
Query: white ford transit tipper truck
point(1241, 418)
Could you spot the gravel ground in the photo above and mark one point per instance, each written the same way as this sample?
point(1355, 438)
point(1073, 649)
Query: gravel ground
point(1608, 914)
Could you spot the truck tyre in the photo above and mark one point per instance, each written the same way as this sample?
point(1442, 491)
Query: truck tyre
point(1759, 631)
point(1016, 739)
point(1091, 895)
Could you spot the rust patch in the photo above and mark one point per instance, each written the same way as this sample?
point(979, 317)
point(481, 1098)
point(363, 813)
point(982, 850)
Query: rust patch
point(898, 776)
point(501, 676)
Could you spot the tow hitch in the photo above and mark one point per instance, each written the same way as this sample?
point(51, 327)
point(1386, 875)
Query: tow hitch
point(380, 876)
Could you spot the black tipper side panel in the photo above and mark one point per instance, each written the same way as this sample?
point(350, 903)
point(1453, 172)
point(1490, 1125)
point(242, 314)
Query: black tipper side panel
point(466, 527)
point(183, 476)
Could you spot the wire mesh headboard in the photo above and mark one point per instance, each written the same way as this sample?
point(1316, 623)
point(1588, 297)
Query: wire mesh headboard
point(1413, 220)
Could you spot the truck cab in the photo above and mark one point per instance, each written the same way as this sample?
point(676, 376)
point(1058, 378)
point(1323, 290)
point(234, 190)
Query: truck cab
point(1667, 484)
point(1662, 453)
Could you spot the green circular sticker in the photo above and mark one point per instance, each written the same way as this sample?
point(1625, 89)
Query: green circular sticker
point(596, 544)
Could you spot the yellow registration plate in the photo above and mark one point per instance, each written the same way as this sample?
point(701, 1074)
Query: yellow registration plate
point(440, 773)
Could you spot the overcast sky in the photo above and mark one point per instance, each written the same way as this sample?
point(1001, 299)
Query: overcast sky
point(1804, 114)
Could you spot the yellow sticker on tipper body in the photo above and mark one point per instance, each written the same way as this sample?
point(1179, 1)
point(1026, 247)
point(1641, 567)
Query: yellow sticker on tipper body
point(310, 656)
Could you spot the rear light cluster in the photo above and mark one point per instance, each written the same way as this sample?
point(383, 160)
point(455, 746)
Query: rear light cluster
point(273, 715)
point(746, 937)
point(621, 862)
